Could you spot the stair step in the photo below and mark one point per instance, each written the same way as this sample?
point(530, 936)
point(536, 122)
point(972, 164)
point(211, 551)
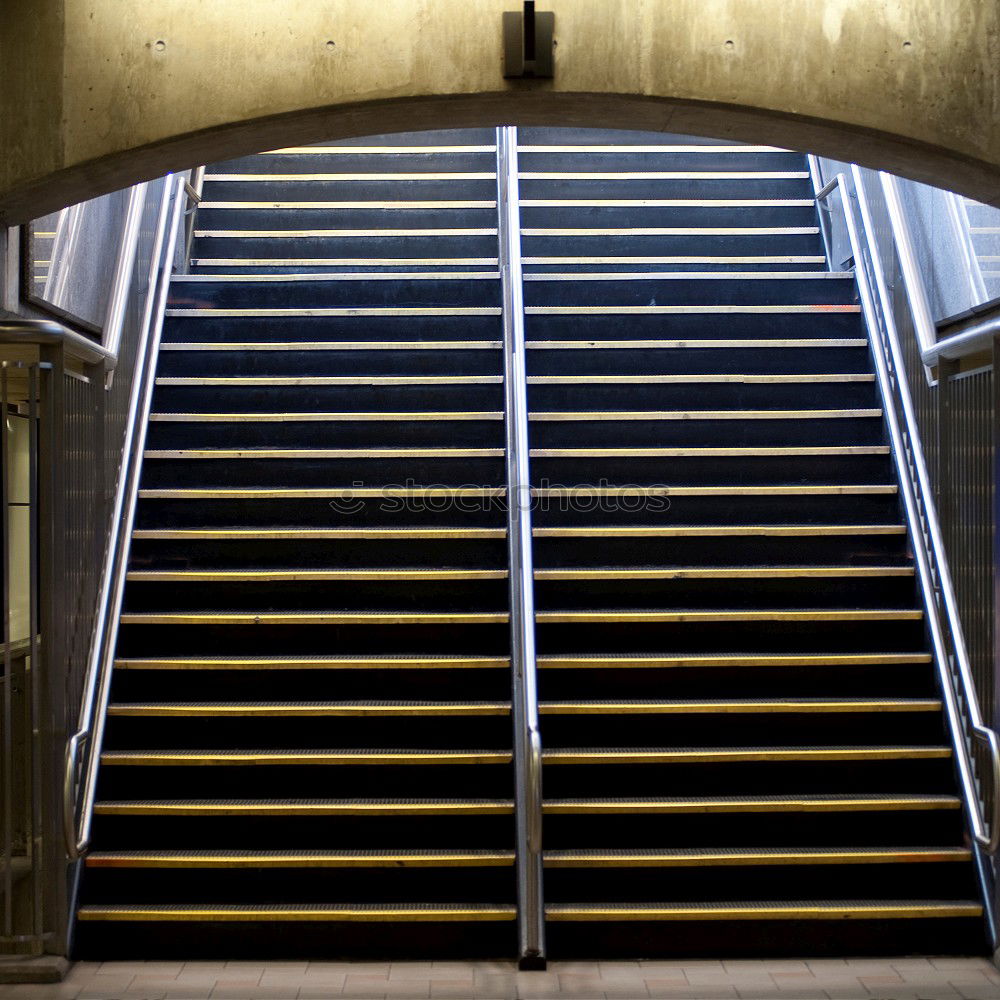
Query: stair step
point(616, 415)
point(302, 912)
point(298, 234)
point(718, 530)
point(731, 755)
point(306, 807)
point(838, 910)
point(381, 205)
point(738, 660)
point(630, 149)
point(318, 453)
point(369, 709)
point(698, 379)
point(752, 804)
point(350, 150)
point(379, 492)
point(347, 262)
point(266, 381)
point(712, 615)
point(315, 618)
point(298, 346)
point(301, 859)
point(263, 417)
point(319, 663)
point(701, 310)
point(306, 575)
point(731, 260)
point(171, 758)
point(450, 175)
point(715, 572)
point(312, 276)
point(738, 857)
point(318, 533)
point(356, 492)
point(609, 231)
point(684, 276)
point(755, 451)
point(742, 706)
point(663, 175)
point(330, 312)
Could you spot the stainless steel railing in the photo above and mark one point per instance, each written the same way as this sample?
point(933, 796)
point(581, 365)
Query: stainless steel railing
point(82, 758)
point(965, 719)
point(527, 736)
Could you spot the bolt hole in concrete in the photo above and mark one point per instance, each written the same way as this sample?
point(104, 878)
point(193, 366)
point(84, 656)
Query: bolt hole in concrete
point(730, 44)
point(331, 45)
point(160, 45)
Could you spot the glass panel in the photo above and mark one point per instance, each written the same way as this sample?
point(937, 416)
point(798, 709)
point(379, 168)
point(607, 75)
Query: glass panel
point(984, 233)
point(71, 256)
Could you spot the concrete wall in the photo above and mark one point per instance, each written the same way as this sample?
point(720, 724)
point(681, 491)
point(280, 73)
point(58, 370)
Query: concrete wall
point(100, 93)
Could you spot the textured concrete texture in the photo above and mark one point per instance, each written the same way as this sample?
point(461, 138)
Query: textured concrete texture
point(828, 979)
point(100, 93)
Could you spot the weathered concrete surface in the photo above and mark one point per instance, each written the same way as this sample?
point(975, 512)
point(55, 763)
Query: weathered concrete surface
point(100, 93)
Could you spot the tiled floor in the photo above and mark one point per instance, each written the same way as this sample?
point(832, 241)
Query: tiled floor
point(861, 979)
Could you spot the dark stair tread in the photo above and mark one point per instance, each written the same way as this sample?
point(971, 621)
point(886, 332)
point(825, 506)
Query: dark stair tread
point(388, 709)
point(735, 706)
point(300, 912)
point(305, 807)
point(736, 856)
point(619, 755)
point(857, 909)
point(386, 662)
point(862, 802)
point(748, 659)
point(331, 756)
point(433, 858)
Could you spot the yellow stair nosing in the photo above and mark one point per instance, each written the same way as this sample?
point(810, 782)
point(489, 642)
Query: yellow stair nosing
point(177, 859)
point(358, 454)
point(795, 615)
point(753, 804)
point(718, 572)
point(712, 530)
point(264, 758)
point(706, 858)
point(315, 618)
point(748, 451)
point(314, 663)
point(302, 913)
point(740, 706)
point(708, 755)
point(304, 807)
point(861, 910)
point(305, 709)
point(304, 575)
point(727, 660)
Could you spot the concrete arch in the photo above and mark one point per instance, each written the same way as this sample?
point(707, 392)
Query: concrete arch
point(101, 93)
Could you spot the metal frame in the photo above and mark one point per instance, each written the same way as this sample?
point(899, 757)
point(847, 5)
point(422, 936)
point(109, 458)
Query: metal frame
point(80, 772)
point(964, 716)
point(527, 736)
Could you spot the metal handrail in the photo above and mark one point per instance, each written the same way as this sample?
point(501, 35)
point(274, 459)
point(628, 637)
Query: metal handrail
point(80, 775)
point(925, 531)
point(26, 332)
point(527, 737)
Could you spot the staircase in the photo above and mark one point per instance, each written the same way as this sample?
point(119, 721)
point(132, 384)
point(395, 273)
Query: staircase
point(309, 749)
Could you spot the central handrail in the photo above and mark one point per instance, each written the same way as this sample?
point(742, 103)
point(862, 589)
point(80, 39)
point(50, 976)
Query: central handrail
point(80, 773)
point(944, 621)
point(527, 737)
